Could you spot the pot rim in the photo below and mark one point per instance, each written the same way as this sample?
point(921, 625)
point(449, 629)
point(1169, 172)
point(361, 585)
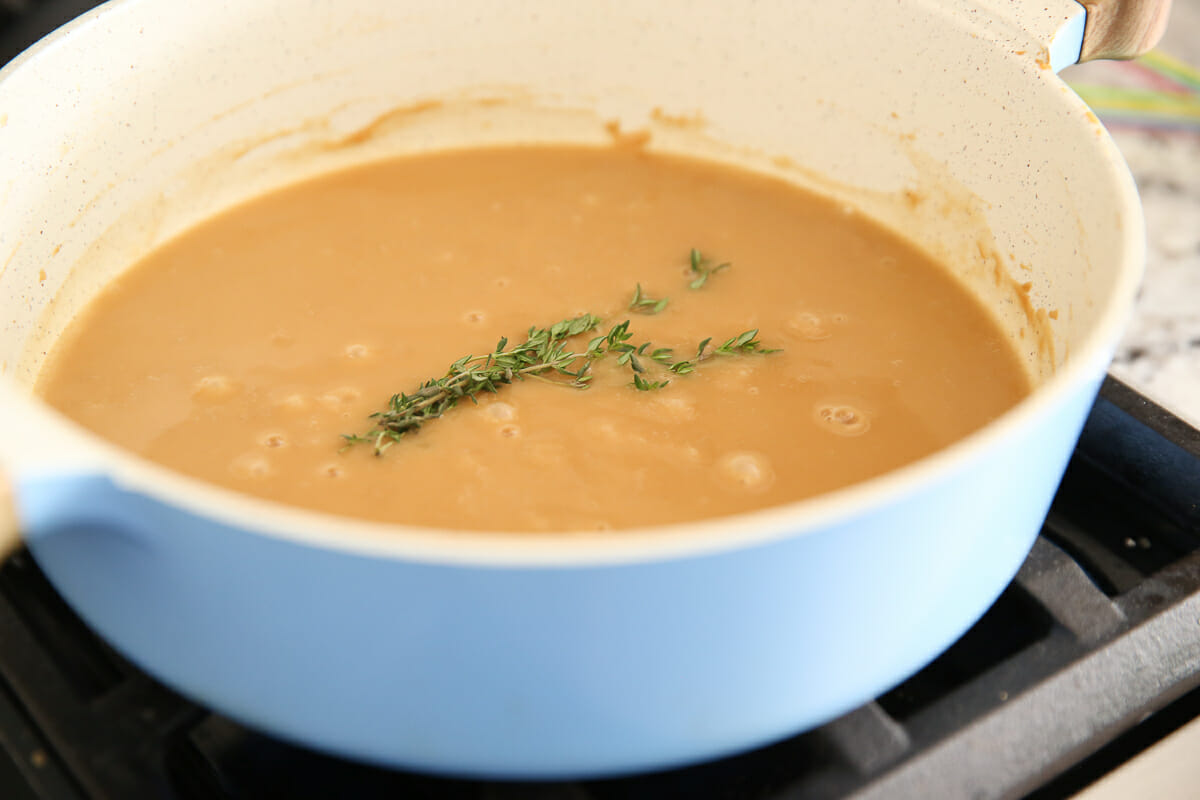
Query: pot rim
point(91, 455)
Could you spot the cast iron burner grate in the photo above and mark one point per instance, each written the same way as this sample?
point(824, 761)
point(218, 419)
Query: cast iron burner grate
point(1059, 682)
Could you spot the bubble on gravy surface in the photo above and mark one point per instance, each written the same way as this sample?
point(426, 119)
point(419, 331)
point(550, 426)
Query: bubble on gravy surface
point(380, 276)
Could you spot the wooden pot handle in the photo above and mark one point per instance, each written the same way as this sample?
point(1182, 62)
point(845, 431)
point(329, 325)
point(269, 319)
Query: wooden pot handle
point(1122, 29)
point(10, 531)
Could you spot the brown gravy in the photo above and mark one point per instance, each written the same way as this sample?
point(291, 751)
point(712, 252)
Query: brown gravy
point(240, 351)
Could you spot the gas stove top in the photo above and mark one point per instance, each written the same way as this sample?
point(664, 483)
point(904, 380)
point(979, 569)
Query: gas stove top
point(1092, 653)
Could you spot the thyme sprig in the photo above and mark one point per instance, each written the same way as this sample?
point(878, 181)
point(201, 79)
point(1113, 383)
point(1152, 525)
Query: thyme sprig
point(701, 269)
point(660, 355)
point(543, 351)
point(744, 343)
point(546, 355)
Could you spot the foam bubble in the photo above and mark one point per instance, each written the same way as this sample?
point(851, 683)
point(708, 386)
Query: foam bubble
point(274, 440)
point(843, 419)
point(337, 399)
point(253, 466)
point(610, 433)
point(745, 470)
point(807, 325)
point(500, 411)
point(674, 408)
point(215, 388)
point(293, 402)
point(357, 351)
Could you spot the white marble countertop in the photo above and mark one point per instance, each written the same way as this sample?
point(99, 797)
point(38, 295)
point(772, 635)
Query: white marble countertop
point(1160, 353)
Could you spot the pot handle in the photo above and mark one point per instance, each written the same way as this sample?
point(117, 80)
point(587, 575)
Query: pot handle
point(10, 529)
point(1122, 29)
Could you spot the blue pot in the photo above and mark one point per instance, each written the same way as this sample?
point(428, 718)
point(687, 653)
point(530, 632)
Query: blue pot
point(539, 656)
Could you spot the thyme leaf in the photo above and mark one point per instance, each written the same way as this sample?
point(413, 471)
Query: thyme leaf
point(643, 385)
point(646, 305)
point(745, 342)
point(701, 269)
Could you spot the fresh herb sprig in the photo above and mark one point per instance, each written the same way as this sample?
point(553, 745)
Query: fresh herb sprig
point(617, 341)
point(701, 269)
point(545, 355)
point(543, 351)
point(660, 355)
point(744, 343)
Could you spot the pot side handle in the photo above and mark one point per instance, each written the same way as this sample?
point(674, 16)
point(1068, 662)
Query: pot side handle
point(10, 529)
point(1122, 29)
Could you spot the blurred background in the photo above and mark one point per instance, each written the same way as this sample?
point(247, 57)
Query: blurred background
point(1152, 108)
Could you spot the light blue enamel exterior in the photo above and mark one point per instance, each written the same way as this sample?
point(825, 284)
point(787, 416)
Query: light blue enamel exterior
point(548, 671)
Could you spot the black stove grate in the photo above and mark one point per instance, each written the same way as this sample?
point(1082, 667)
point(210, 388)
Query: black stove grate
point(23, 22)
point(1097, 633)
